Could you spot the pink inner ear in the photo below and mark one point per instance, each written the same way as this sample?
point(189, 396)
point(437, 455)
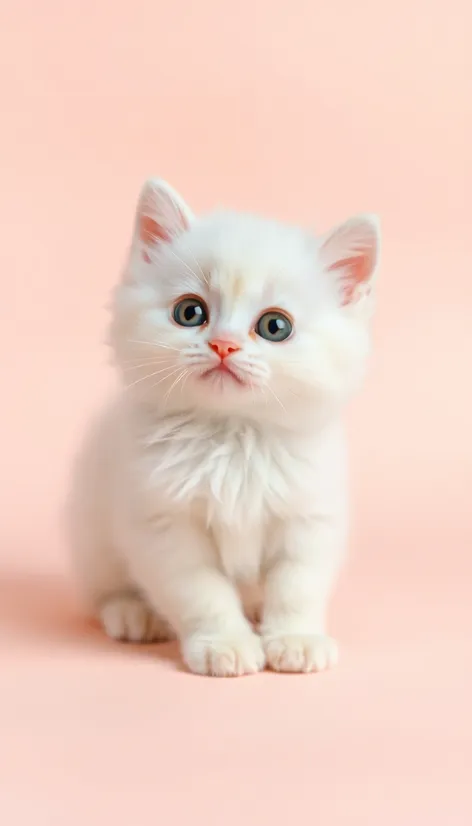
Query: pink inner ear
point(150, 232)
point(357, 269)
point(159, 220)
point(350, 252)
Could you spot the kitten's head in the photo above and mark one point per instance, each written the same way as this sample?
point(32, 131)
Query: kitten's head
point(235, 314)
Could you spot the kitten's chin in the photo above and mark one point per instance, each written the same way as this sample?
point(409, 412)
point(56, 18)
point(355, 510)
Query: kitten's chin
point(222, 390)
point(222, 377)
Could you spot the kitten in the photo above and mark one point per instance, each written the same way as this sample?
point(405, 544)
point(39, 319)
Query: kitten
point(211, 494)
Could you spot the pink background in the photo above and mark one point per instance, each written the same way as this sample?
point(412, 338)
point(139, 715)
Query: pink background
point(309, 112)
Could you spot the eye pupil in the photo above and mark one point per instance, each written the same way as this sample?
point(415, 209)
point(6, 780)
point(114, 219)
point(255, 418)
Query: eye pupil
point(274, 325)
point(191, 311)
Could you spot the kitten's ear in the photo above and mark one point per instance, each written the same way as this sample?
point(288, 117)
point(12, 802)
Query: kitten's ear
point(351, 253)
point(161, 215)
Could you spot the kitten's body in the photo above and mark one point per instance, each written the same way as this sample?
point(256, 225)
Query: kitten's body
point(198, 499)
point(240, 481)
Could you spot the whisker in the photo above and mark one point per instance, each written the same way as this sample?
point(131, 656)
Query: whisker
point(157, 383)
point(204, 275)
point(205, 278)
point(182, 262)
point(183, 382)
point(174, 383)
point(149, 376)
point(154, 344)
point(144, 359)
point(188, 372)
point(147, 364)
point(275, 396)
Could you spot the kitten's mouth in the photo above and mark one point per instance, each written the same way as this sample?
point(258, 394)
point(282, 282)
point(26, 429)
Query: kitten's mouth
point(222, 371)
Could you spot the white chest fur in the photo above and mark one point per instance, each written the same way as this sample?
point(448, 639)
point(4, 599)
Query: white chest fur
point(236, 473)
point(241, 480)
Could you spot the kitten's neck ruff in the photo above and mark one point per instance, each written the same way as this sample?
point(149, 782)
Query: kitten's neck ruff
point(233, 470)
point(307, 420)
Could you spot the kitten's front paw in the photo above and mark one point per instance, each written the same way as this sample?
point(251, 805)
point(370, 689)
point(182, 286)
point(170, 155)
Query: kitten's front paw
point(300, 652)
point(224, 656)
point(128, 618)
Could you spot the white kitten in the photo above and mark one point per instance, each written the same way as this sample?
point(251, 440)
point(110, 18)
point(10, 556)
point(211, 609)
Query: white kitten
point(212, 492)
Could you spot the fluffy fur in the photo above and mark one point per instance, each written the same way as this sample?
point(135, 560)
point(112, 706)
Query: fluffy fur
point(211, 504)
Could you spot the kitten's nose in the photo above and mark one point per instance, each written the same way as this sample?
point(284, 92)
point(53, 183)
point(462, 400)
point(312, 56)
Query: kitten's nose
point(223, 347)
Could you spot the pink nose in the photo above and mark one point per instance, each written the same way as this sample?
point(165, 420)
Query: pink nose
point(223, 348)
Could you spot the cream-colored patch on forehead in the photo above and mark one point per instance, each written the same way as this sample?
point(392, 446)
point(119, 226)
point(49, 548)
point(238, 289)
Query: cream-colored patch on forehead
point(237, 297)
point(236, 286)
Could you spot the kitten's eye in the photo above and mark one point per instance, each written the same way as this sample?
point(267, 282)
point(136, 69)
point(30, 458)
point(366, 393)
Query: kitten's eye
point(190, 312)
point(274, 326)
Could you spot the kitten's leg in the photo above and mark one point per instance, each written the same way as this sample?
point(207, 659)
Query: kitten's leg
point(177, 567)
point(103, 578)
point(127, 616)
point(108, 591)
point(297, 588)
point(105, 584)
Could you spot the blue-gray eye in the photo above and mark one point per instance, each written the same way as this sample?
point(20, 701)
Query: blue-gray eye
point(274, 326)
point(190, 312)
